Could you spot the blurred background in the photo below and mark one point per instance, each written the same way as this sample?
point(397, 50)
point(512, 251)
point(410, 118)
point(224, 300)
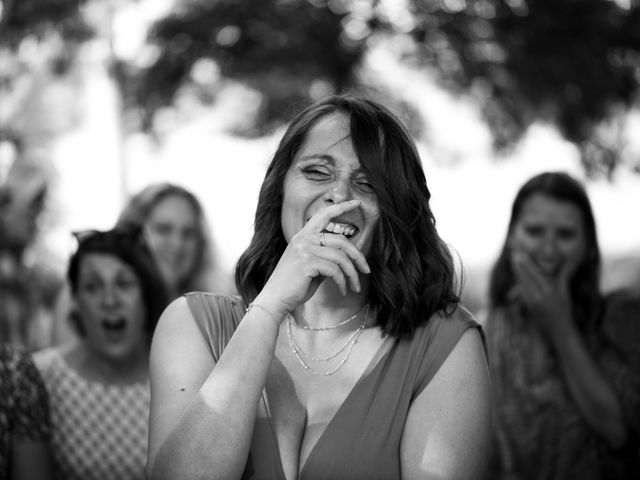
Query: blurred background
point(111, 95)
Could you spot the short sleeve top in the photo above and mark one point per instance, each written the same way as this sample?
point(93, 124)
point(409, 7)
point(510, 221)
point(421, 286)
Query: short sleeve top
point(363, 438)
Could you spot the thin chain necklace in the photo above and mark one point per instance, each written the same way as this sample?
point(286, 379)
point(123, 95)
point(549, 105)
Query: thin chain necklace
point(333, 327)
point(348, 346)
point(319, 359)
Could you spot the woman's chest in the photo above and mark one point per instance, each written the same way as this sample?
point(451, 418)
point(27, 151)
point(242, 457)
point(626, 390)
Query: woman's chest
point(300, 406)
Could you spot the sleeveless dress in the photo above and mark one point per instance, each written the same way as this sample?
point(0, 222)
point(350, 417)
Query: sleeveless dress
point(362, 441)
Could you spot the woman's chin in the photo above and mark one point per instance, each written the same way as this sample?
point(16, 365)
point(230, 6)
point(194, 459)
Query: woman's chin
point(170, 277)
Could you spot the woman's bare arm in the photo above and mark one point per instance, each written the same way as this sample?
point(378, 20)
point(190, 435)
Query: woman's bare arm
point(202, 413)
point(595, 397)
point(448, 430)
point(202, 417)
point(549, 306)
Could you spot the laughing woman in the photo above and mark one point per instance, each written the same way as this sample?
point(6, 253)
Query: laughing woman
point(99, 385)
point(347, 356)
point(565, 358)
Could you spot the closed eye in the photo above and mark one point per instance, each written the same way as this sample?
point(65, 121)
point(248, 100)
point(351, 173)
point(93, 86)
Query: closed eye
point(364, 185)
point(316, 173)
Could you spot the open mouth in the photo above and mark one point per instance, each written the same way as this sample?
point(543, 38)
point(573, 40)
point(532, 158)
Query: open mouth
point(346, 229)
point(114, 324)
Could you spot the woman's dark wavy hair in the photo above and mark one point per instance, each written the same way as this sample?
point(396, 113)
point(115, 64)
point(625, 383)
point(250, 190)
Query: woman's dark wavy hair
point(139, 208)
point(413, 275)
point(584, 285)
point(128, 245)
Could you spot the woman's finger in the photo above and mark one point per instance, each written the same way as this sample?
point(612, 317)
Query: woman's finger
point(340, 258)
point(342, 243)
point(321, 218)
point(531, 286)
point(567, 271)
point(328, 269)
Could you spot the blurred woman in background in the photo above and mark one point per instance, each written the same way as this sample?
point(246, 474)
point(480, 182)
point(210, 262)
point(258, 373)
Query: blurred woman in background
point(177, 232)
point(564, 358)
point(30, 281)
point(98, 385)
point(175, 228)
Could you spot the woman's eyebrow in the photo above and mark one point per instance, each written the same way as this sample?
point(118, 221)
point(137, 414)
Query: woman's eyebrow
point(329, 159)
point(319, 156)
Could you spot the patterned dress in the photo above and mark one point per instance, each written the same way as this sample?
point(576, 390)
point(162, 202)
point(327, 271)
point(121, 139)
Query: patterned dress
point(539, 432)
point(99, 431)
point(23, 403)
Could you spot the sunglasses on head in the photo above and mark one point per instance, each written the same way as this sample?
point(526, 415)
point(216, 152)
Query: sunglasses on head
point(131, 236)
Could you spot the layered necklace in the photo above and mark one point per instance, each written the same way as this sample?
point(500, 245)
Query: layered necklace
point(347, 347)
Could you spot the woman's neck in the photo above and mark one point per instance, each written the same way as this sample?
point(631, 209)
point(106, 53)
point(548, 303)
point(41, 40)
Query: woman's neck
point(93, 366)
point(328, 307)
point(173, 289)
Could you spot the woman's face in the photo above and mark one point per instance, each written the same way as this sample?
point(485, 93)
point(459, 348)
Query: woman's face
point(111, 305)
point(551, 232)
point(325, 171)
point(172, 234)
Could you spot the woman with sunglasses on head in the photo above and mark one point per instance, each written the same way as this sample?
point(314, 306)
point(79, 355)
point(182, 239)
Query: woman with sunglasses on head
point(98, 385)
point(565, 359)
point(173, 222)
point(348, 356)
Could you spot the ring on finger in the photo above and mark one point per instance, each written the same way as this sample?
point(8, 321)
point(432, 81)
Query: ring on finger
point(323, 241)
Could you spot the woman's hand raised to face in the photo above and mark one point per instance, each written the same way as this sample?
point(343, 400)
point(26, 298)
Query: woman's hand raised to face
point(547, 298)
point(312, 256)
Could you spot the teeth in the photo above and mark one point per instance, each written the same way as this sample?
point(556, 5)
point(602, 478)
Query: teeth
point(341, 229)
point(116, 323)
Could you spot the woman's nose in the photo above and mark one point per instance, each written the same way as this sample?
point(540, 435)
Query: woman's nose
point(549, 245)
point(340, 191)
point(170, 241)
point(110, 297)
point(175, 240)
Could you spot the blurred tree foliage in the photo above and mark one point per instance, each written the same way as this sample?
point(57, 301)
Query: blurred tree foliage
point(286, 50)
point(38, 40)
point(575, 63)
point(23, 18)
